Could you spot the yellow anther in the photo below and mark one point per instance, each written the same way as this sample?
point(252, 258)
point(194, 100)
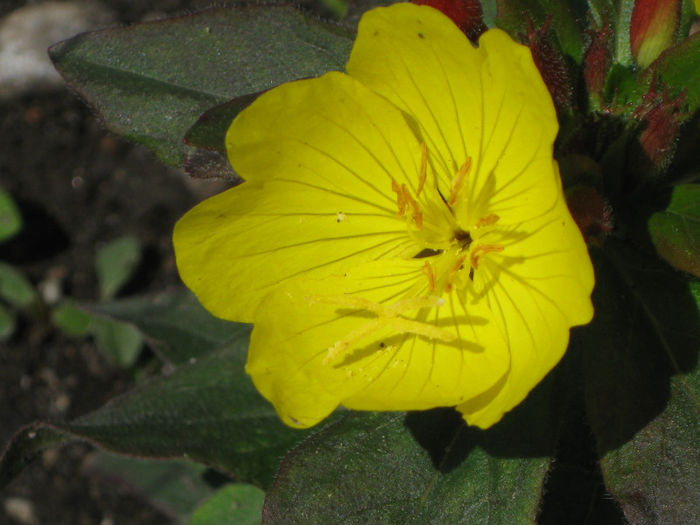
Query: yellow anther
point(423, 168)
point(483, 250)
point(459, 180)
point(487, 221)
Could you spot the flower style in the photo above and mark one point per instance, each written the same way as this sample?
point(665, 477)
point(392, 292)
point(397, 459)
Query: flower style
point(401, 241)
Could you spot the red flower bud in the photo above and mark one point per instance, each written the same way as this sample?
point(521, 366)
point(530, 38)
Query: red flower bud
point(550, 63)
point(663, 118)
point(466, 14)
point(596, 60)
point(653, 28)
point(592, 213)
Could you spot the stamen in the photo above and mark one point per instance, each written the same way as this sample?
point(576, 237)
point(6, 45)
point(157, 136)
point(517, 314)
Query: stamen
point(403, 200)
point(483, 250)
point(423, 168)
point(349, 301)
point(429, 272)
point(400, 197)
point(487, 221)
point(459, 180)
point(453, 273)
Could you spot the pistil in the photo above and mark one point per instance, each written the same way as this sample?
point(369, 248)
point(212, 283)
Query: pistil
point(387, 317)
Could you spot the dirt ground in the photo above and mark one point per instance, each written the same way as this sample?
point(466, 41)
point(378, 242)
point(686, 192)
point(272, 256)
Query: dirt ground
point(77, 186)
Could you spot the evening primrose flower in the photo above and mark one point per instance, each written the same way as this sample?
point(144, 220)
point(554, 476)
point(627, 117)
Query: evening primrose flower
point(401, 241)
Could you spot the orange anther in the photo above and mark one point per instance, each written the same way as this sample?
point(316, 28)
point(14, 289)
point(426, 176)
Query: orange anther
point(483, 250)
point(453, 272)
point(487, 221)
point(403, 200)
point(429, 272)
point(423, 168)
point(459, 180)
point(400, 197)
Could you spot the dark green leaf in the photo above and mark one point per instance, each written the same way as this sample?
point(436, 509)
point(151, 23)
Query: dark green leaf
point(174, 487)
point(209, 132)
point(208, 411)
point(205, 148)
point(676, 231)
point(177, 321)
point(235, 503)
point(10, 217)
point(643, 384)
point(26, 446)
point(151, 81)
point(424, 467)
point(565, 21)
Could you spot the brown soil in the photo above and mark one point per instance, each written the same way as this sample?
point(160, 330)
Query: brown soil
point(77, 186)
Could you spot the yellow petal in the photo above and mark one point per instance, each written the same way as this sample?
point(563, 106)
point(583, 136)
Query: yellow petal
point(319, 156)
point(537, 288)
point(516, 174)
point(487, 103)
point(420, 61)
point(385, 368)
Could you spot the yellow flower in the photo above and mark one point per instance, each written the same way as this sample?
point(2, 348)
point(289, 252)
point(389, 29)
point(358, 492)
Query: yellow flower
point(401, 241)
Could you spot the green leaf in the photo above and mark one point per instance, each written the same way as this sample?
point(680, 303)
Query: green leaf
point(150, 82)
point(600, 10)
point(15, 288)
point(10, 217)
point(676, 231)
point(7, 323)
point(205, 148)
point(237, 503)
point(564, 23)
point(209, 132)
point(174, 487)
point(120, 342)
point(175, 321)
point(71, 319)
point(679, 67)
point(643, 384)
point(621, 24)
point(207, 411)
point(26, 445)
point(115, 263)
point(424, 467)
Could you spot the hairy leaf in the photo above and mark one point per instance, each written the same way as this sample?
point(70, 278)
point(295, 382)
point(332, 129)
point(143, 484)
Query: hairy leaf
point(643, 385)
point(424, 467)
point(676, 231)
point(150, 82)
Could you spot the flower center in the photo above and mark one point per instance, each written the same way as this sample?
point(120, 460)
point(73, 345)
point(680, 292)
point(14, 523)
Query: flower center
point(449, 248)
point(451, 254)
